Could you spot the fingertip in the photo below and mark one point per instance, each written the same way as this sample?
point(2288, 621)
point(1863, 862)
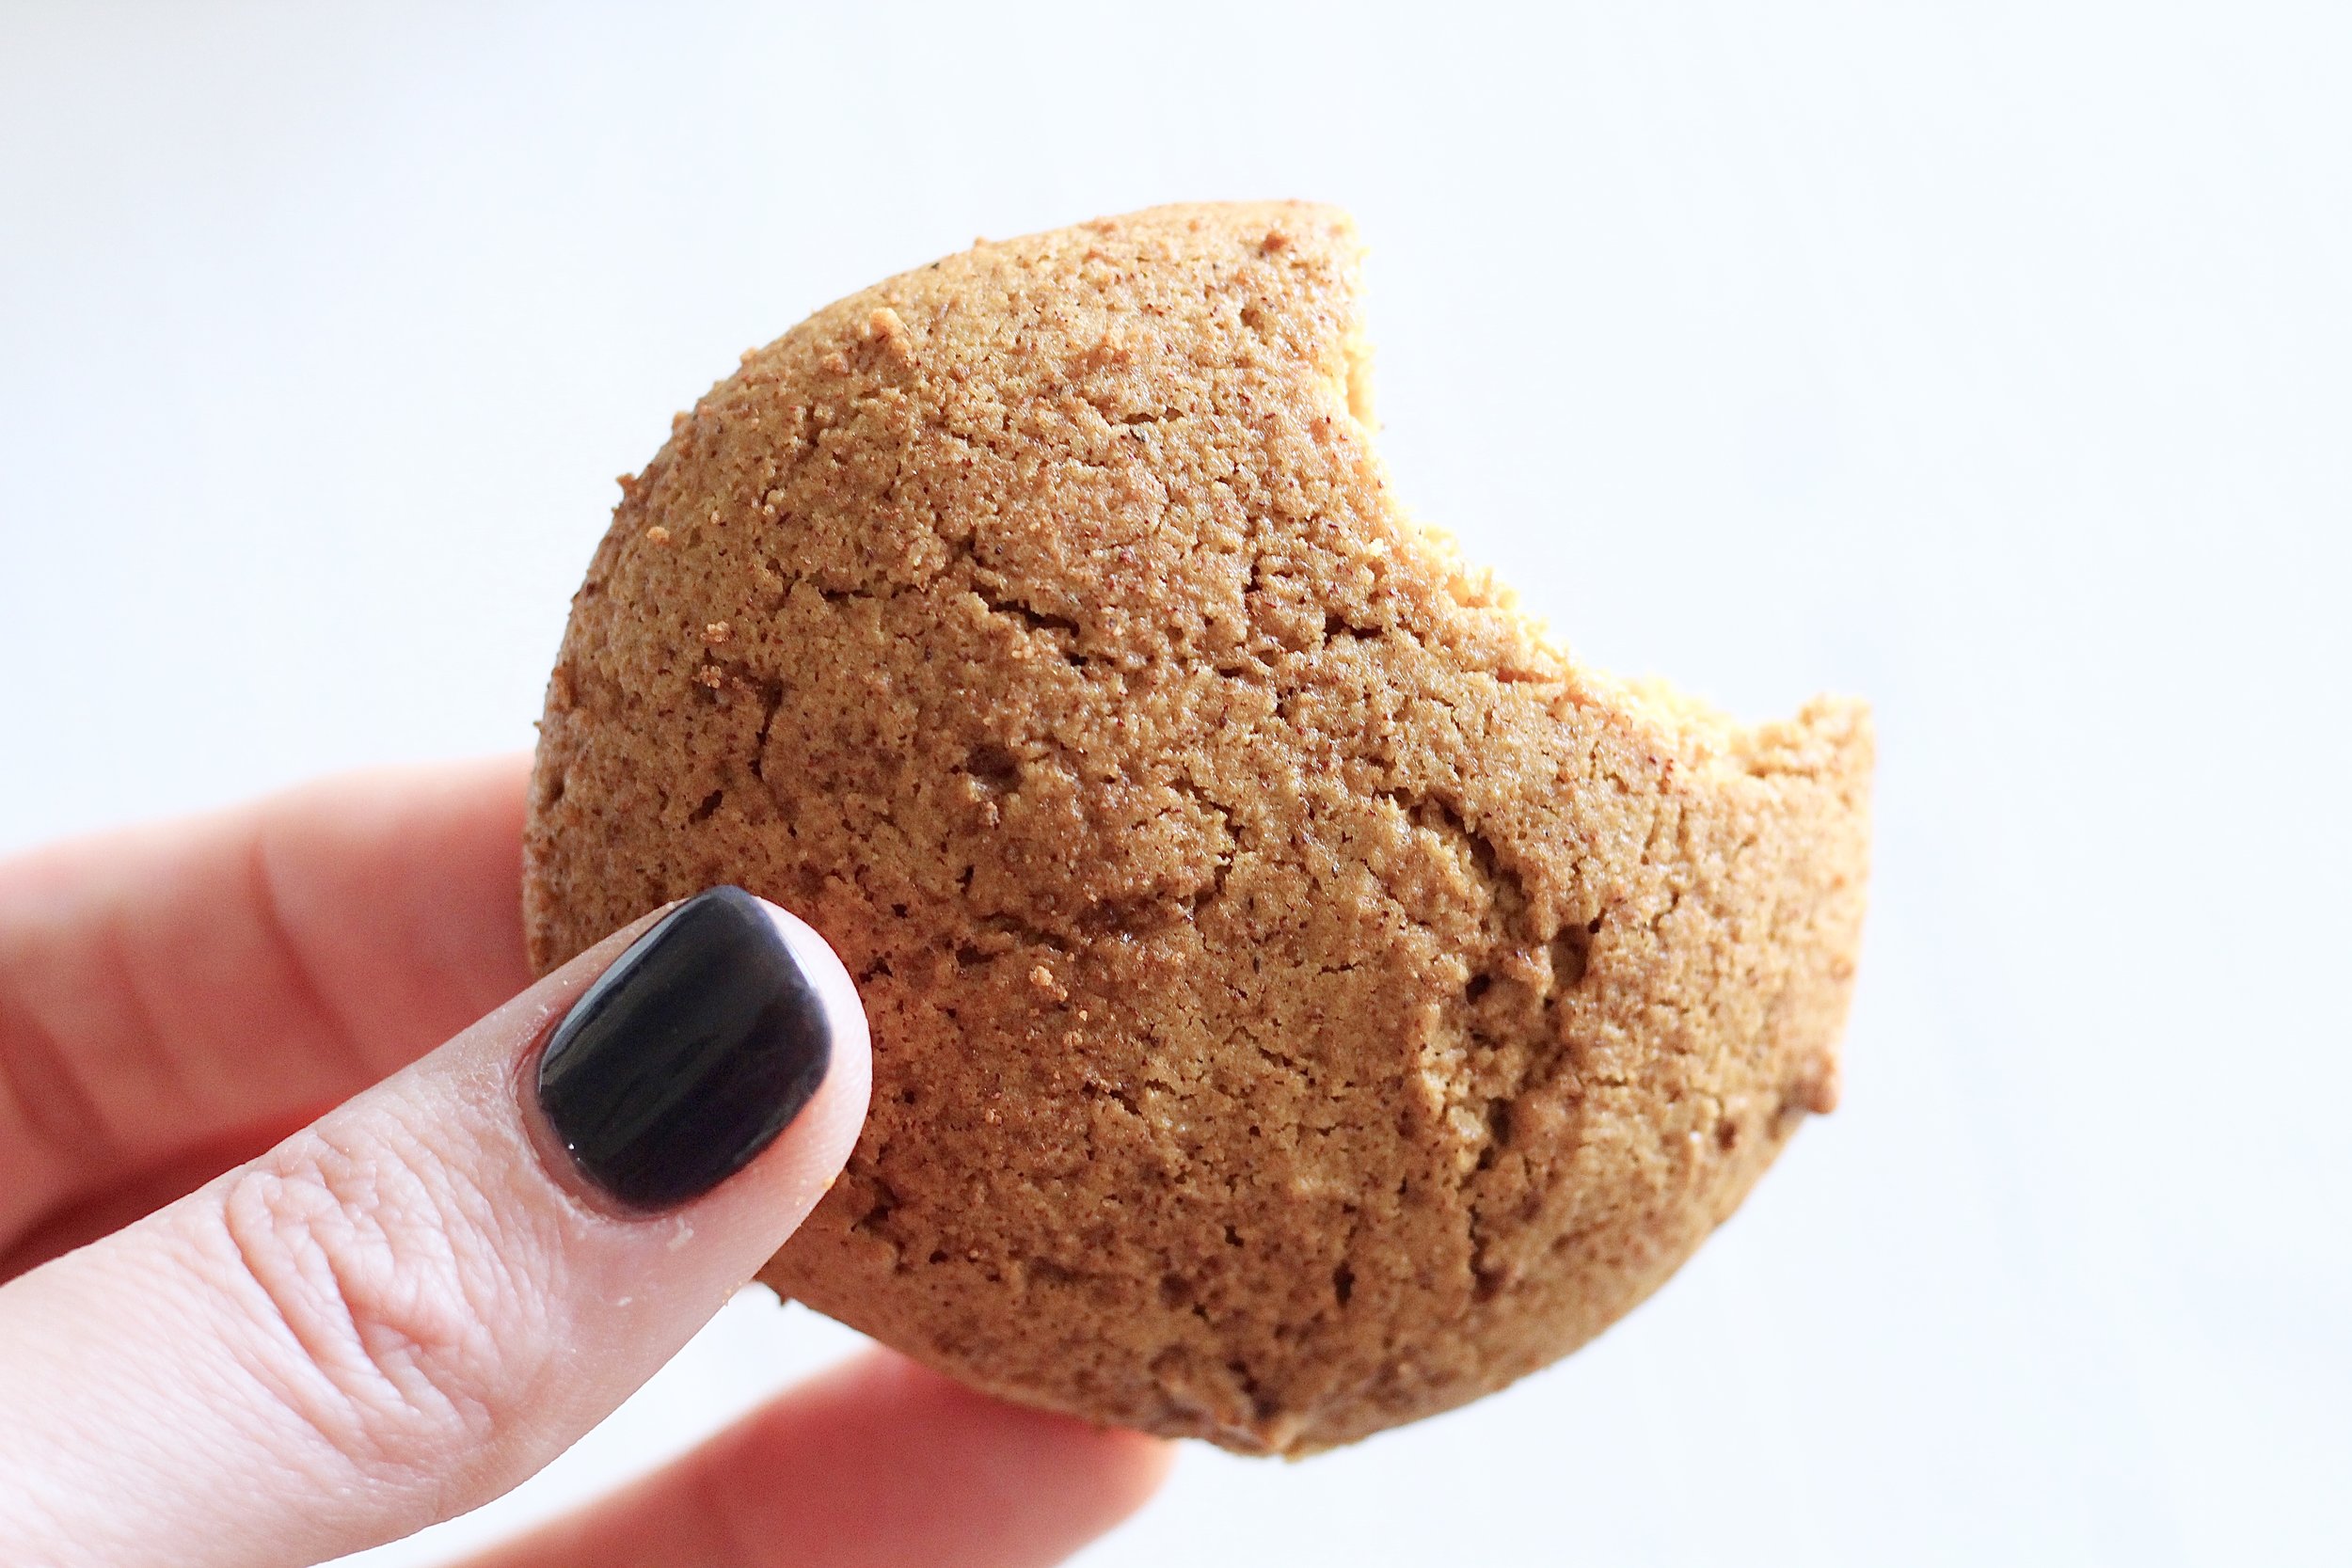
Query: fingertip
point(1137, 1467)
point(1122, 1459)
point(1098, 1475)
point(1110, 1472)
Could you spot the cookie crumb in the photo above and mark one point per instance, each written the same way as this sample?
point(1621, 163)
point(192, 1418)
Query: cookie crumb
point(656, 536)
point(716, 632)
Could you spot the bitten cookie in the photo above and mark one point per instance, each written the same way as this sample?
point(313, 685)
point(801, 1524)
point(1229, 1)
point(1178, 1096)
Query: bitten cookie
point(1303, 998)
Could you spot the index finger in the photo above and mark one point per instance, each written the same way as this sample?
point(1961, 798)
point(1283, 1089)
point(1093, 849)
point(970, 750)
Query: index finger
point(877, 1461)
point(163, 988)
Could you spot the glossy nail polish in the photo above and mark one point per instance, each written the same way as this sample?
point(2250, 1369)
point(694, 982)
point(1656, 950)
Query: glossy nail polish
point(688, 1056)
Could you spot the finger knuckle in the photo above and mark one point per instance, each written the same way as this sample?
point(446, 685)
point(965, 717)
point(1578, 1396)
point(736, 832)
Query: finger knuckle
point(381, 1300)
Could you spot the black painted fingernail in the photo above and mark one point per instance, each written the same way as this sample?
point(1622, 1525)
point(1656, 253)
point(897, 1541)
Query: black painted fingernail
point(688, 1056)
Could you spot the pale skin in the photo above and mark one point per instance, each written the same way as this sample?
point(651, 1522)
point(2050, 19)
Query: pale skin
point(289, 1270)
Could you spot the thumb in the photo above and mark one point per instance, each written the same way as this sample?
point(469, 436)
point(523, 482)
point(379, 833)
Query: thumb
point(408, 1308)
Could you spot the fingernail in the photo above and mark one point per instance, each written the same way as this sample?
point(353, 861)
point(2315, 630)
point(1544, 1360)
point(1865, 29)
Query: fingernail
point(688, 1056)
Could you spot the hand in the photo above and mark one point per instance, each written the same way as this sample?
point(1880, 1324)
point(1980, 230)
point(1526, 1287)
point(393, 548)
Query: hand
point(410, 1273)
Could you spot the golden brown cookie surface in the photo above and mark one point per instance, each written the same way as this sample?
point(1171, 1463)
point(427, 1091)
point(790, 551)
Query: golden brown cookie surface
point(1303, 1000)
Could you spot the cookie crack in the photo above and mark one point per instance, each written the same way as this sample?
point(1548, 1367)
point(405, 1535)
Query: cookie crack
point(1045, 627)
point(1214, 889)
point(771, 700)
point(875, 1219)
point(1505, 890)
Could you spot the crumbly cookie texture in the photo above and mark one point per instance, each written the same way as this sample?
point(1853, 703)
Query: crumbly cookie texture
point(1303, 998)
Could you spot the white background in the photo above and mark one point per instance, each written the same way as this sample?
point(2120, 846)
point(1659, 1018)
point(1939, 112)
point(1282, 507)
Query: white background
point(1991, 360)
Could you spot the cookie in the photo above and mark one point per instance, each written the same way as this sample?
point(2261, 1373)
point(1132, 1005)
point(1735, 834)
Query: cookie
point(1304, 999)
